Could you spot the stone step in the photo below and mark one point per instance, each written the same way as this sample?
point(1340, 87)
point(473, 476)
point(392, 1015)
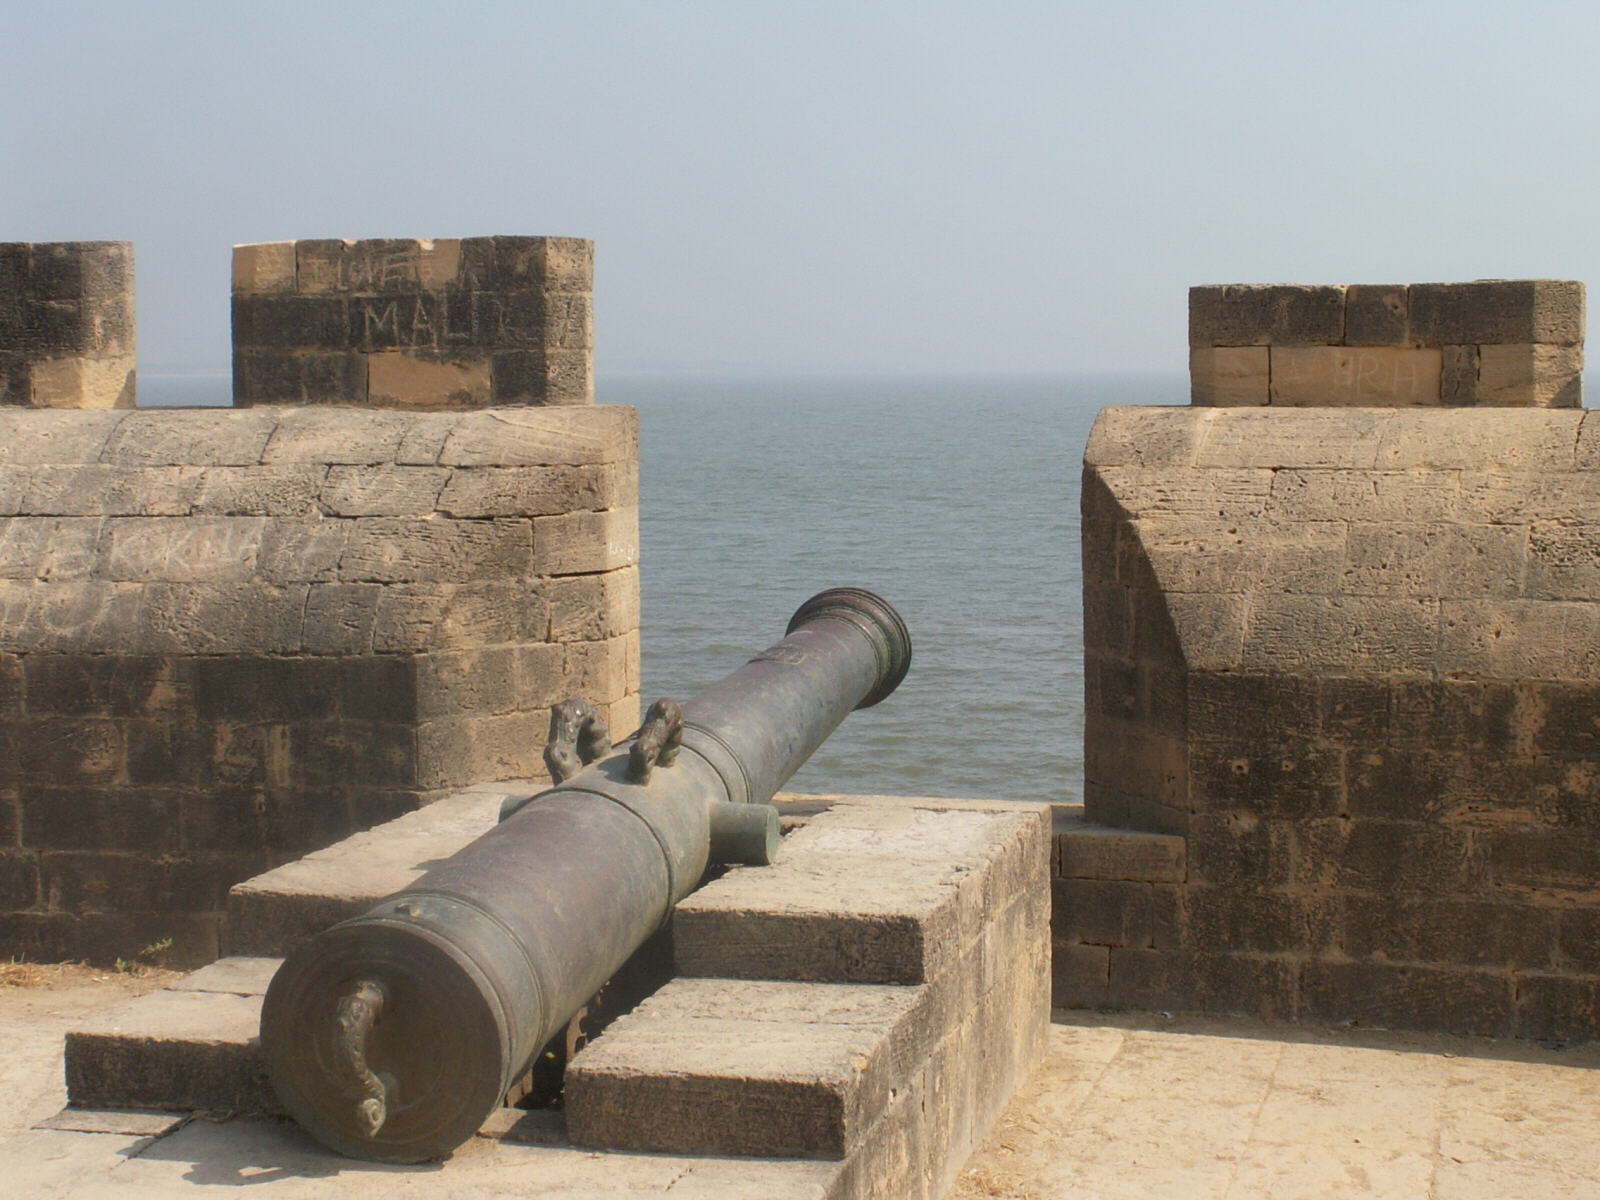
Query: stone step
point(189, 1048)
point(872, 890)
point(1084, 850)
point(871, 998)
point(748, 1067)
point(274, 912)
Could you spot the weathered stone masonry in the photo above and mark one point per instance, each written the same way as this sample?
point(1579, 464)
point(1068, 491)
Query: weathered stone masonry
point(414, 323)
point(230, 637)
point(1343, 716)
point(1516, 342)
point(67, 324)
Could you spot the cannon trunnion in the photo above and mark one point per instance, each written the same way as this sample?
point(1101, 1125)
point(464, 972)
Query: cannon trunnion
point(393, 1035)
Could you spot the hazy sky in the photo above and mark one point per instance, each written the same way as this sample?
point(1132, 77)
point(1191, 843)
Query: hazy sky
point(921, 187)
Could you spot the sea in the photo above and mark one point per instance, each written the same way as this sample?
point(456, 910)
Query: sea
point(954, 498)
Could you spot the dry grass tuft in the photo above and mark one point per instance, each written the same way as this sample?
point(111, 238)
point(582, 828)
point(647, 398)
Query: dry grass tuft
point(14, 974)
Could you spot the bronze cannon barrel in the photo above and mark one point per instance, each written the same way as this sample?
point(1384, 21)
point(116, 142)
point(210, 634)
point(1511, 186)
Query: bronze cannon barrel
point(393, 1035)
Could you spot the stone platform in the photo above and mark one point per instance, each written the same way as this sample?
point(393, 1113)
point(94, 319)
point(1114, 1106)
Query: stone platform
point(846, 1023)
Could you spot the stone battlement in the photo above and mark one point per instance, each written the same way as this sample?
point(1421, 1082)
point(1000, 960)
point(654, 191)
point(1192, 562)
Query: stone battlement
point(228, 637)
point(414, 323)
point(67, 324)
point(1505, 342)
point(1349, 656)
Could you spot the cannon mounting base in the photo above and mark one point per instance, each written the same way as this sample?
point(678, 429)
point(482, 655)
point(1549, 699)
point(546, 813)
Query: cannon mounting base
point(846, 1022)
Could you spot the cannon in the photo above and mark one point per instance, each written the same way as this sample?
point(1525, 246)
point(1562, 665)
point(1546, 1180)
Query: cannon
point(393, 1035)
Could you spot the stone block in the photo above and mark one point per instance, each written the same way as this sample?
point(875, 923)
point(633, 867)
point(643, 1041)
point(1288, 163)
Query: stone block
point(298, 377)
point(1390, 857)
point(1236, 920)
point(1458, 375)
point(542, 436)
point(1133, 760)
point(1532, 376)
point(83, 383)
point(1238, 493)
point(264, 268)
point(1147, 436)
point(19, 879)
point(291, 322)
point(1478, 1003)
point(811, 1085)
point(542, 376)
point(386, 490)
point(48, 548)
point(1448, 931)
point(1343, 634)
point(216, 618)
point(365, 267)
point(418, 324)
point(1563, 561)
point(340, 618)
point(398, 550)
point(1449, 561)
point(602, 671)
point(457, 751)
point(93, 489)
point(850, 903)
point(1376, 314)
point(541, 491)
point(1520, 639)
point(1239, 849)
point(1265, 315)
point(1100, 912)
point(16, 380)
point(189, 438)
point(195, 549)
point(1272, 777)
point(475, 682)
point(12, 687)
point(1355, 375)
point(71, 616)
point(1262, 986)
point(1228, 375)
point(410, 379)
point(307, 551)
point(290, 490)
point(1539, 440)
point(1079, 975)
point(35, 439)
point(1224, 704)
point(1497, 311)
point(586, 542)
point(1556, 1008)
point(141, 819)
point(173, 1050)
point(1533, 858)
point(593, 607)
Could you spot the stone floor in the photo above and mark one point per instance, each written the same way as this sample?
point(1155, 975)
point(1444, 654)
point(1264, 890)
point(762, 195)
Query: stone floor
point(1146, 1108)
point(1123, 1106)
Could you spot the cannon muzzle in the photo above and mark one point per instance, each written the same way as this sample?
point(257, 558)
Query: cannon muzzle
point(393, 1035)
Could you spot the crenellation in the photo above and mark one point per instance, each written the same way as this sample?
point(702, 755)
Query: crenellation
point(415, 323)
point(67, 325)
point(1494, 342)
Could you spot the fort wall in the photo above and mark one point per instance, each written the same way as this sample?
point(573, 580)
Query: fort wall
point(228, 637)
point(1344, 664)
